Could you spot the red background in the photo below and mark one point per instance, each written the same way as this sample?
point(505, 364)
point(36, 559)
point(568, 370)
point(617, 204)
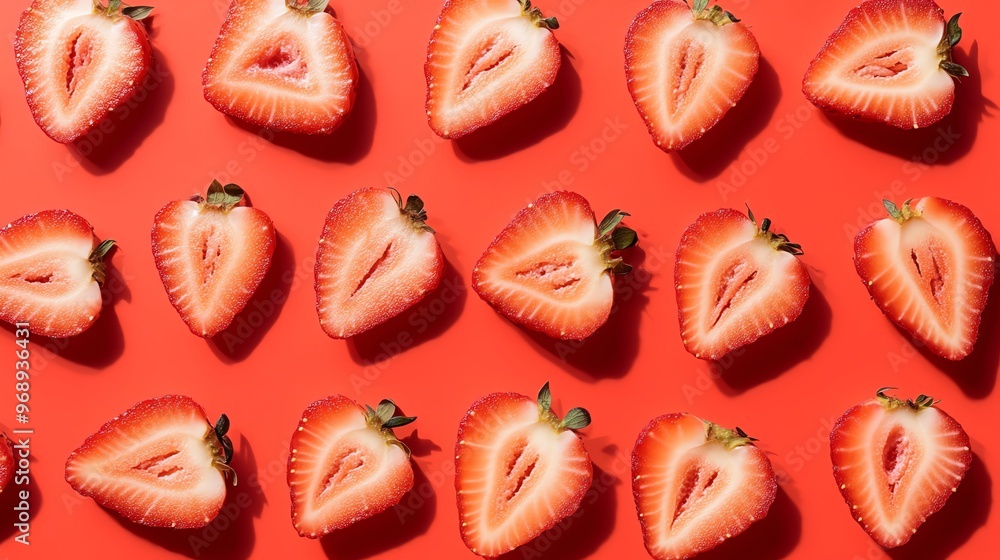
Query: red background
point(816, 178)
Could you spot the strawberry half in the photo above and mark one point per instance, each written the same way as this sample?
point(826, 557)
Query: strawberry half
point(551, 268)
point(7, 464)
point(212, 254)
point(697, 484)
point(283, 64)
point(485, 59)
point(897, 462)
point(346, 465)
point(377, 257)
point(80, 60)
point(890, 61)
point(160, 463)
point(929, 267)
point(686, 67)
point(736, 282)
point(519, 470)
point(51, 273)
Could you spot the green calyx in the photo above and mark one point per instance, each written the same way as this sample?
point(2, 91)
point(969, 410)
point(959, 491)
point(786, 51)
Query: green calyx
point(96, 259)
point(900, 214)
point(715, 14)
point(222, 446)
point(921, 402)
point(383, 419)
point(115, 8)
point(575, 419)
point(413, 208)
point(613, 237)
point(730, 439)
point(778, 241)
point(221, 197)
point(952, 35)
point(308, 7)
point(536, 17)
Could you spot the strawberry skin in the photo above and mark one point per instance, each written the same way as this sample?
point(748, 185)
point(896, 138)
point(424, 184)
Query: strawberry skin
point(346, 465)
point(7, 465)
point(160, 463)
point(485, 59)
point(551, 268)
point(735, 282)
point(377, 257)
point(686, 67)
point(79, 60)
point(897, 462)
point(282, 64)
point(697, 484)
point(890, 61)
point(51, 273)
point(929, 267)
point(212, 254)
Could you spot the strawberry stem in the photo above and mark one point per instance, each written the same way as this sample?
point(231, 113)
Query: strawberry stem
point(952, 36)
point(308, 7)
point(612, 236)
point(715, 14)
point(97, 260)
point(778, 241)
point(921, 402)
point(730, 439)
point(536, 17)
point(413, 208)
point(222, 446)
point(576, 419)
point(900, 214)
point(383, 418)
point(221, 197)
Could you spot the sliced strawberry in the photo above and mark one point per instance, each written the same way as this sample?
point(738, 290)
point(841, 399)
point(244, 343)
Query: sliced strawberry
point(212, 254)
point(697, 484)
point(686, 67)
point(547, 269)
point(51, 273)
point(485, 59)
point(282, 64)
point(736, 282)
point(79, 60)
point(897, 462)
point(346, 465)
point(890, 61)
point(377, 257)
point(519, 470)
point(160, 463)
point(7, 465)
point(929, 267)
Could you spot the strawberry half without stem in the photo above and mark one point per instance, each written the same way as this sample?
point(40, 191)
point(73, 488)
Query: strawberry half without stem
point(346, 464)
point(736, 282)
point(485, 59)
point(212, 254)
point(929, 267)
point(551, 268)
point(160, 463)
point(377, 257)
point(51, 273)
point(686, 67)
point(897, 462)
point(697, 484)
point(519, 470)
point(7, 463)
point(890, 61)
point(282, 64)
point(80, 60)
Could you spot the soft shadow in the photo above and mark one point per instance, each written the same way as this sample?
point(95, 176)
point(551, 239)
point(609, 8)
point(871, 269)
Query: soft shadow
point(418, 447)
point(712, 154)
point(580, 534)
point(526, 126)
point(230, 536)
point(966, 511)
point(405, 521)
point(347, 144)
point(776, 353)
point(112, 142)
point(773, 537)
point(10, 498)
point(611, 351)
point(249, 327)
point(426, 320)
point(941, 143)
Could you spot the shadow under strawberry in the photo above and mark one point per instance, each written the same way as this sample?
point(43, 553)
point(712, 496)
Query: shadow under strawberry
point(526, 126)
point(776, 353)
point(349, 143)
point(249, 327)
point(710, 155)
point(10, 498)
point(390, 529)
point(230, 536)
point(942, 143)
point(966, 511)
point(773, 537)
